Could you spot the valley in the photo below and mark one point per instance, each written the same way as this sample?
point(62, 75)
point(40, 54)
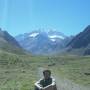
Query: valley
point(50, 35)
point(20, 72)
point(20, 68)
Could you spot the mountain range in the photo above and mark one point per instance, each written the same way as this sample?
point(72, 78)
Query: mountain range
point(46, 42)
point(43, 42)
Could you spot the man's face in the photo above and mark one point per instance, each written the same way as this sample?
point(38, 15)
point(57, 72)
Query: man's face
point(47, 75)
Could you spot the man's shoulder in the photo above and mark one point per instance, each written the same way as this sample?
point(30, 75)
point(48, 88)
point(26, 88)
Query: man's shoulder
point(42, 80)
point(53, 79)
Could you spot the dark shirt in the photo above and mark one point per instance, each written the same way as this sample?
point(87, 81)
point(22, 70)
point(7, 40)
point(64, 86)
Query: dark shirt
point(46, 82)
point(42, 83)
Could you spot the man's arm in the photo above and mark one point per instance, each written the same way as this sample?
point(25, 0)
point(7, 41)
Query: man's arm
point(54, 84)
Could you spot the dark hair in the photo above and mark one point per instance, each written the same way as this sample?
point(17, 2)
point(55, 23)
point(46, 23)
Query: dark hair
point(46, 71)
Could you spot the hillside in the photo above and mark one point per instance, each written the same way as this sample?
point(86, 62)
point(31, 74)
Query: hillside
point(9, 44)
point(20, 72)
point(81, 42)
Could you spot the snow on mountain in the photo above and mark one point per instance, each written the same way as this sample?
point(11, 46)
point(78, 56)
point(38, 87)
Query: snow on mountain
point(52, 39)
point(33, 35)
point(56, 36)
point(42, 42)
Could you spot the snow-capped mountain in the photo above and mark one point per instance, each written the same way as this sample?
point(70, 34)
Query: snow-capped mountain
point(54, 36)
point(33, 35)
point(42, 42)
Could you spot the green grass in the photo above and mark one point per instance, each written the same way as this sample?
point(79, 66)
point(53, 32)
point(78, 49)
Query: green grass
point(19, 72)
point(16, 72)
point(73, 68)
point(17, 79)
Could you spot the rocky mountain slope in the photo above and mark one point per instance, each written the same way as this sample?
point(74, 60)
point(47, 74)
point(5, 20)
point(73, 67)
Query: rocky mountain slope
point(8, 43)
point(81, 41)
point(42, 42)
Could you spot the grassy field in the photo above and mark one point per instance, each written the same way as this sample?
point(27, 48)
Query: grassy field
point(75, 68)
point(19, 72)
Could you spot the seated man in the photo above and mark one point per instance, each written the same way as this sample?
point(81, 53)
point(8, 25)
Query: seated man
point(47, 83)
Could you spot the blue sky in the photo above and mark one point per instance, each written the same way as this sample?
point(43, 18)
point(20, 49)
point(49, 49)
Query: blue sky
point(67, 16)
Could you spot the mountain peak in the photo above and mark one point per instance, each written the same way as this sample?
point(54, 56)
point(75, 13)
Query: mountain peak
point(82, 39)
point(39, 42)
point(87, 29)
point(34, 34)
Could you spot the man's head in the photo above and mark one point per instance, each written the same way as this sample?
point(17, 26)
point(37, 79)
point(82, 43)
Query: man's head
point(47, 74)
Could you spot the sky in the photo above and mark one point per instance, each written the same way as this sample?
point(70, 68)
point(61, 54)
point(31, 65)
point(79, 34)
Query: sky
point(22, 16)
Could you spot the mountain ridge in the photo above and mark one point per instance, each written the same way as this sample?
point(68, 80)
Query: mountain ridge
point(42, 42)
point(8, 43)
point(81, 41)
